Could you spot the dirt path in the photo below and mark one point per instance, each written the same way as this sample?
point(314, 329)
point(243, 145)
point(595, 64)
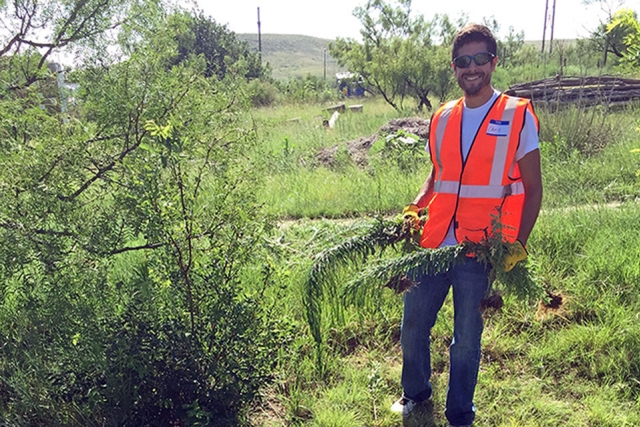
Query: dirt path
point(286, 223)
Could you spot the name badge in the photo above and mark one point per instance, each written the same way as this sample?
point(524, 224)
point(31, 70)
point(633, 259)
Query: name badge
point(498, 128)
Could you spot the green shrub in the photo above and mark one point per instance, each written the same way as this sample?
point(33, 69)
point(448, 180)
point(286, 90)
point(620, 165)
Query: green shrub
point(404, 149)
point(84, 363)
point(158, 373)
point(261, 93)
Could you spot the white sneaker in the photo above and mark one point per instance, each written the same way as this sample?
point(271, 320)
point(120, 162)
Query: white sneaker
point(403, 406)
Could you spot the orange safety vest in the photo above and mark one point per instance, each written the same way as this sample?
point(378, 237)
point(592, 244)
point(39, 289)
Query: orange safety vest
point(485, 189)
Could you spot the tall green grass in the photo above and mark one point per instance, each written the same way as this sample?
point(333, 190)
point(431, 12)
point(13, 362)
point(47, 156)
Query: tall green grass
point(333, 194)
point(299, 184)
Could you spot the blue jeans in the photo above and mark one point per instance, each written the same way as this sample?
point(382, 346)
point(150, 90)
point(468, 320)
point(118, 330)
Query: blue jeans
point(470, 282)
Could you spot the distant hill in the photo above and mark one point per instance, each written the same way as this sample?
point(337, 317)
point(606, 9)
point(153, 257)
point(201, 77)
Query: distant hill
point(293, 56)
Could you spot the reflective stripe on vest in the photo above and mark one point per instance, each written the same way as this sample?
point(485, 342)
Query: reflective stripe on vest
point(440, 127)
point(491, 187)
point(479, 191)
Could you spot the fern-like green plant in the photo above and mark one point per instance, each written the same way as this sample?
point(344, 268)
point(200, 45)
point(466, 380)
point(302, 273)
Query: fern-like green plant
point(355, 250)
point(391, 272)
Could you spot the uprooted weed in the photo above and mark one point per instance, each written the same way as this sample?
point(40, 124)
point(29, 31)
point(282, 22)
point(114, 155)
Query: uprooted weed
point(377, 269)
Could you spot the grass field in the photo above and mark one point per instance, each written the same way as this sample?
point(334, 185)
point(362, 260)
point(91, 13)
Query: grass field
point(576, 365)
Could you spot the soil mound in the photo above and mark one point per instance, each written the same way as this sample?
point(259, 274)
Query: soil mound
point(415, 125)
point(359, 147)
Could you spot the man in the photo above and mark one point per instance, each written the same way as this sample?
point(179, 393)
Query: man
point(486, 166)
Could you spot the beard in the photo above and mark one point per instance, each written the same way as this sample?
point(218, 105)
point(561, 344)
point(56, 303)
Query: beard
point(474, 87)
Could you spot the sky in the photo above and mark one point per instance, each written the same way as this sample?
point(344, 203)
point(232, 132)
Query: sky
point(330, 19)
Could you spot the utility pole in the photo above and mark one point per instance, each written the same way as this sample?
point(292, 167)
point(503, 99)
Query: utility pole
point(259, 36)
point(544, 29)
point(553, 24)
point(324, 60)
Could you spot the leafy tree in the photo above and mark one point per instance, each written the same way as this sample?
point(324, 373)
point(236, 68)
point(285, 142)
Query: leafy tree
point(219, 46)
point(124, 233)
point(604, 40)
point(583, 56)
point(399, 56)
point(509, 48)
point(444, 82)
point(626, 21)
point(609, 41)
point(37, 30)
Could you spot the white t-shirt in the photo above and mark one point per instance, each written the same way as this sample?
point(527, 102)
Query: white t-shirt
point(471, 121)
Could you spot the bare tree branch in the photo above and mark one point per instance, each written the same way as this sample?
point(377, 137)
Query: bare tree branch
point(137, 248)
point(132, 129)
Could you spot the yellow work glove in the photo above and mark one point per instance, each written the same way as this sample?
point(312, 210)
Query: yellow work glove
point(517, 253)
point(411, 216)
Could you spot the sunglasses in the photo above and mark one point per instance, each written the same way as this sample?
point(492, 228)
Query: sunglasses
point(480, 58)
